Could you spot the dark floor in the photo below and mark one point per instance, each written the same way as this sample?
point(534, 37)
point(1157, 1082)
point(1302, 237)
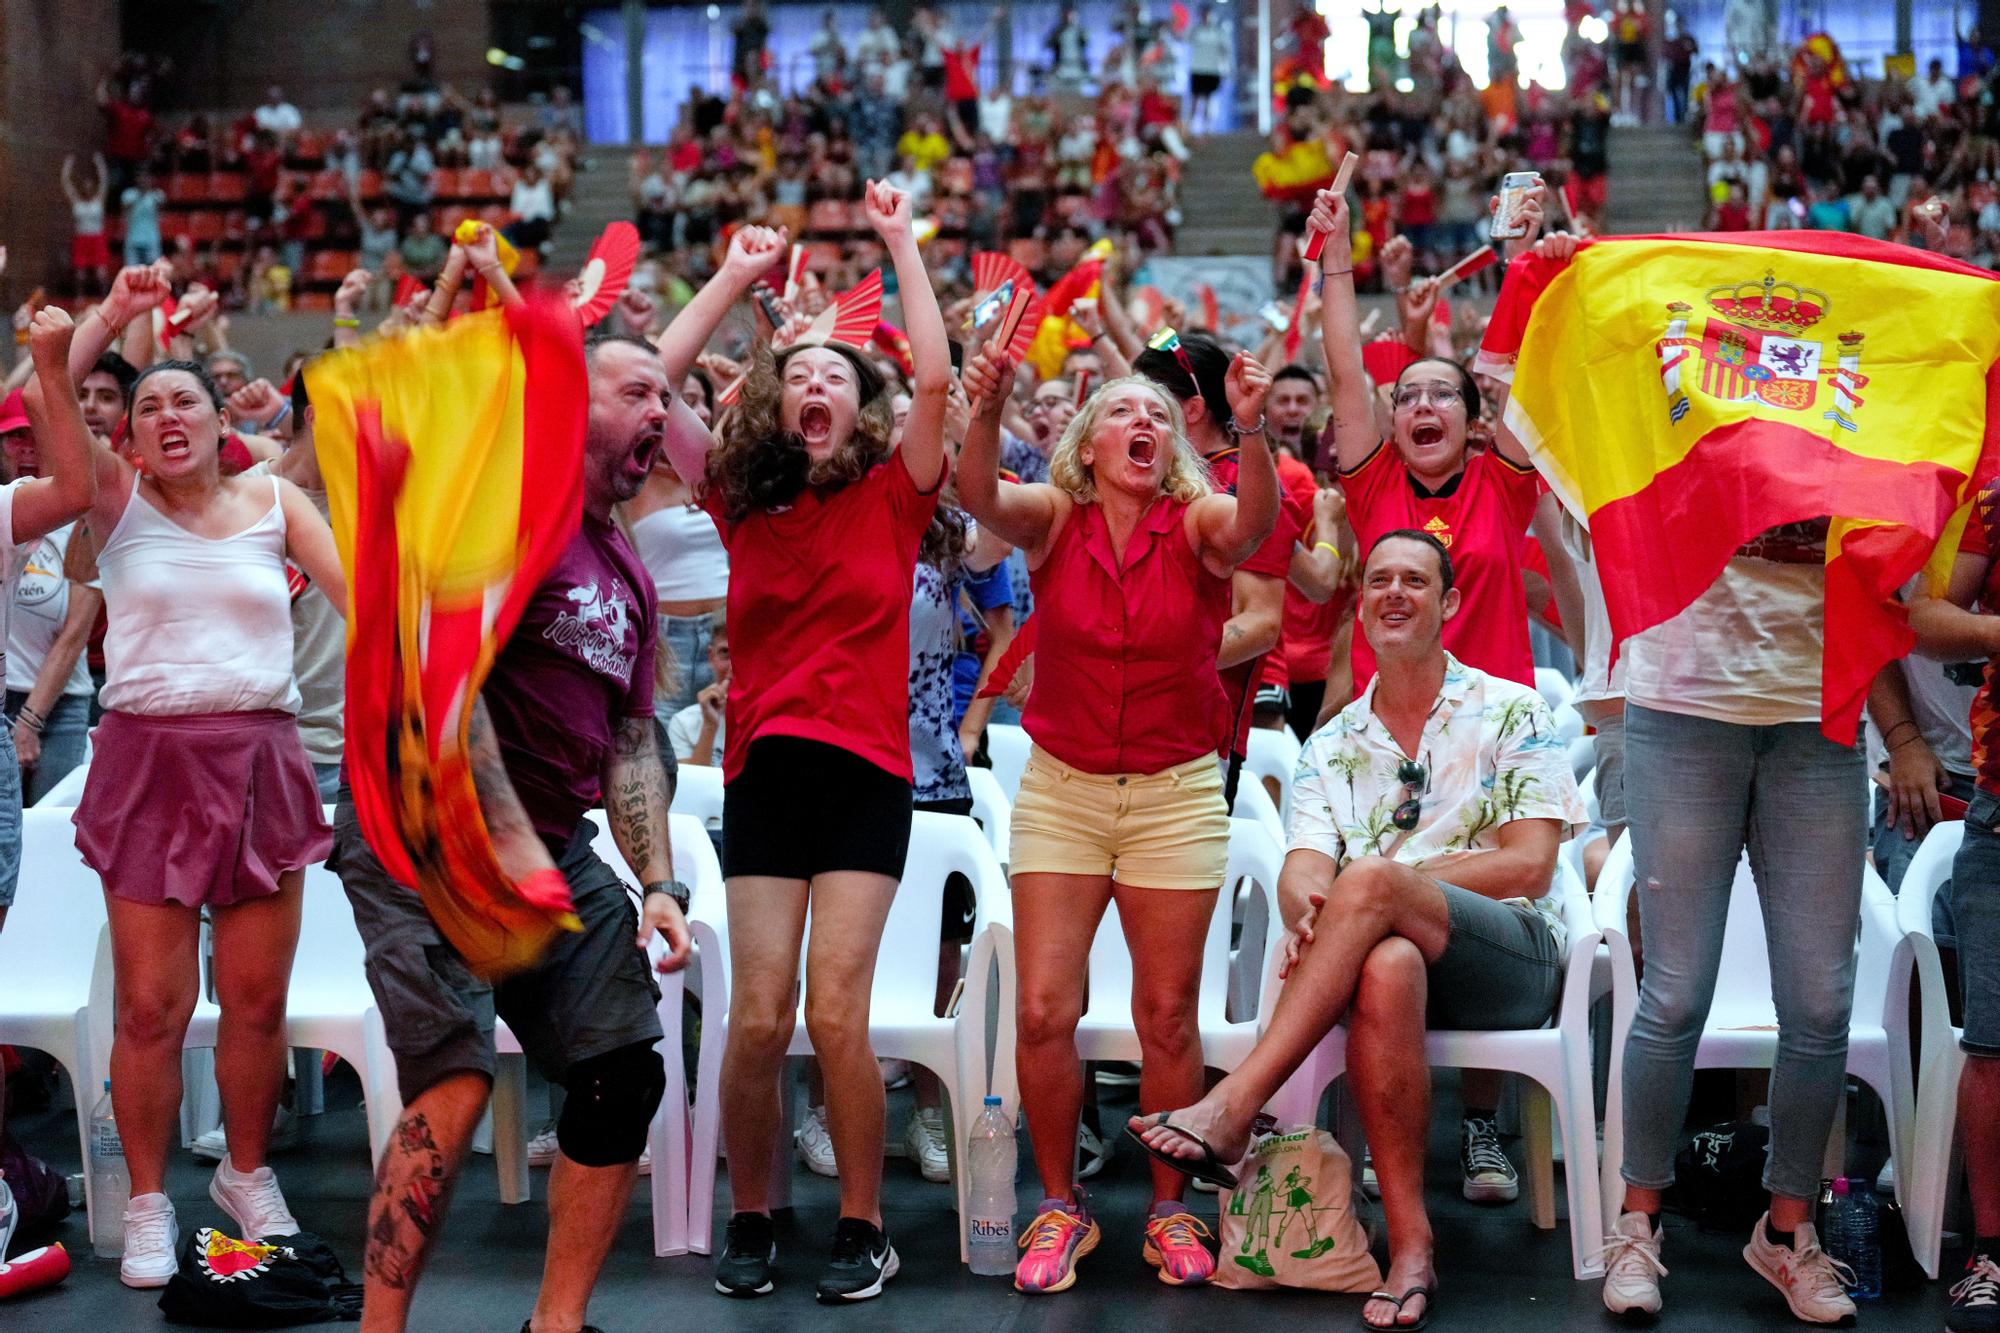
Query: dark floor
point(1498, 1272)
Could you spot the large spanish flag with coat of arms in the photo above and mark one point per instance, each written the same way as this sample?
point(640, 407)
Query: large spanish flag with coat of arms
point(453, 463)
point(1682, 394)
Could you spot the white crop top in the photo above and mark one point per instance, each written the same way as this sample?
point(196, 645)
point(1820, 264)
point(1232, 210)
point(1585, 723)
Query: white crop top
point(683, 552)
point(196, 624)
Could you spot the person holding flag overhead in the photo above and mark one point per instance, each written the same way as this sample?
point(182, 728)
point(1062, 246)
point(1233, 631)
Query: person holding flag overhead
point(823, 524)
point(1131, 557)
point(1770, 441)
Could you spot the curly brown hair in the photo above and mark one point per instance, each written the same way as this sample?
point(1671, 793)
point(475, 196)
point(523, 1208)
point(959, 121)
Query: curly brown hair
point(758, 464)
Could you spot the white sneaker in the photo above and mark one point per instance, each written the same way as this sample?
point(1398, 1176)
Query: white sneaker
point(924, 1141)
point(815, 1145)
point(152, 1242)
point(1093, 1151)
point(895, 1073)
point(254, 1200)
point(542, 1148)
point(214, 1145)
point(1814, 1282)
point(1489, 1175)
point(1632, 1267)
point(1370, 1186)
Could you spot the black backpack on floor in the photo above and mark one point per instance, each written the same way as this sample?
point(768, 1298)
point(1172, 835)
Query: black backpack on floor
point(223, 1282)
point(1719, 1176)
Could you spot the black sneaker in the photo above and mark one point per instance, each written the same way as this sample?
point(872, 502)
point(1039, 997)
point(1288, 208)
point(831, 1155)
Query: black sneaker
point(1975, 1301)
point(748, 1254)
point(1489, 1176)
point(863, 1260)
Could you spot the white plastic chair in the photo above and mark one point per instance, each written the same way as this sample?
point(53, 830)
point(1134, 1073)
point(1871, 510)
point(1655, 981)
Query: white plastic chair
point(65, 794)
point(1007, 746)
point(696, 866)
point(1274, 755)
point(1582, 756)
point(1570, 725)
point(1557, 1057)
point(49, 957)
point(992, 810)
point(1553, 686)
point(901, 1024)
point(1253, 802)
point(1742, 1027)
point(698, 792)
point(1928, 1157)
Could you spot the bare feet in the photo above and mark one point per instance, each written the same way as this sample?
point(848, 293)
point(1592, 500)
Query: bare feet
point(1407, 1270)
point(1227, 1135)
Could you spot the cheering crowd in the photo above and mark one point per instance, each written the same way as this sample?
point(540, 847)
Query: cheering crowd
point(824, 566)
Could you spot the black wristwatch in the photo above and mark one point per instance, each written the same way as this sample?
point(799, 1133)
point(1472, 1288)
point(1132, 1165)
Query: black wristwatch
point(673, 888)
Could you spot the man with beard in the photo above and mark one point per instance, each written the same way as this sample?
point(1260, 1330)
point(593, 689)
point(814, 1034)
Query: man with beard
point(564, 722)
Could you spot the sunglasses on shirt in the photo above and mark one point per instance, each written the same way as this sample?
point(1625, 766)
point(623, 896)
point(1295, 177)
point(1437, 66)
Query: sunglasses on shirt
point(1415, 779)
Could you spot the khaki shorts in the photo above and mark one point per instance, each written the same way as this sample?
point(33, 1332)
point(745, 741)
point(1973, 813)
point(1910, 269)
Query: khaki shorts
point(1165, 830)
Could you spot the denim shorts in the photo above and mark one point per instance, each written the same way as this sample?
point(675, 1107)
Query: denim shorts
point(687, 638)
point(1975, 913)
point(10, 818)
point(1500, 969)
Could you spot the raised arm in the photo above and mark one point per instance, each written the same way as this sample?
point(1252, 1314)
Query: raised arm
point(922, 449)
point(64, 492)
point(1558, 247)
point(136, 291)
point(1111, 304)
point(752, 252)
point(1023, 515)
point(69, 179)
point(484, 256)
point(1356, 435)
point(1233, 527)
point(347, 304)
point(309, 544)
point(1948, 630)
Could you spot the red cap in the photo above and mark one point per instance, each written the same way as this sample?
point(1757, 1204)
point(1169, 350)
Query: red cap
point(13, 413)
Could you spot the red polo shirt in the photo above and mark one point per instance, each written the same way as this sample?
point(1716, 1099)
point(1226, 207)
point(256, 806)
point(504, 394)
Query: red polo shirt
point(819, 617)
point(1272, 560)
point(1482, 517)
point(1125, 653)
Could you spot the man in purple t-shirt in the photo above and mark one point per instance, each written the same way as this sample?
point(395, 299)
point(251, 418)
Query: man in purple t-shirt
point(564, 722)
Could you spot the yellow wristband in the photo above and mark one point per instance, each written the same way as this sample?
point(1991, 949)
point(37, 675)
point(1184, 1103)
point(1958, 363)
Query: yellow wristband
point(1329, 546)
point(342, 322)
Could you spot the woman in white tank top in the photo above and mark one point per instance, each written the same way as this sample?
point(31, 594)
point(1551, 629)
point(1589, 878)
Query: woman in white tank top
point(683, 552)
point(199, 794)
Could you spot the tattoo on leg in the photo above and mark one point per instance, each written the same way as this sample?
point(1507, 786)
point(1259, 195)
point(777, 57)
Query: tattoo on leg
point(411, 1192)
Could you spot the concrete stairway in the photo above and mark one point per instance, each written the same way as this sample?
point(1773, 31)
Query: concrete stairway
point(1656, 182)
point(600, 195)
point(1221, 211)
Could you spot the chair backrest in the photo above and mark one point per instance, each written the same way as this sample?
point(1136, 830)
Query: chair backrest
point(1570, 725)
point(1254, 858)
point(329, 942)
point(698, 792)
point(1875, 946)
point(1743, 986)
point(1253, 802)
point(1008, 748)
point(1587, 791)
point(991, 809)
point(1553, 686)
point(1582, 756)
point(1275, 755)
point(1928, 871)
point(49, 944)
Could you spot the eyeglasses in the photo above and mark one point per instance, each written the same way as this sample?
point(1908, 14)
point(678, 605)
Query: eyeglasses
point(1416, 780)
point(1440, 395)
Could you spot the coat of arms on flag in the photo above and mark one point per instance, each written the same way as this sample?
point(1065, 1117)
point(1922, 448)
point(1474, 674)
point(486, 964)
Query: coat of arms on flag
point(1751, 351)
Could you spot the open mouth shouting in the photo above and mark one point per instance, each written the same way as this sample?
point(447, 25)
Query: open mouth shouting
point(1427, 434)
point(646, 452)
point(174, 446)
point(816, 424)
point(1143, 447)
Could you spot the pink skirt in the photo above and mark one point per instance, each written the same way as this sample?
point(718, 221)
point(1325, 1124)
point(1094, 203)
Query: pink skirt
point(206, 809)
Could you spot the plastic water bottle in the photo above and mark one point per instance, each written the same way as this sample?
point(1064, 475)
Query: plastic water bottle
point(1864, 1240)
point(110, 1182)
point(990, 1154)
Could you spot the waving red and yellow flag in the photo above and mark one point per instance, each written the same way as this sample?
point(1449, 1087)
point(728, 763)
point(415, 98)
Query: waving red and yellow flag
point(1683, 394)
point(453, 462)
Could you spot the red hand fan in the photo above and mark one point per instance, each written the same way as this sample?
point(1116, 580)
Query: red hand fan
point(992, 270)
point(606, 272)
point(852, 316)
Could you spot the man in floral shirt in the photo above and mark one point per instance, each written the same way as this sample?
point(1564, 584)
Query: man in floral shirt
point(1425, 821)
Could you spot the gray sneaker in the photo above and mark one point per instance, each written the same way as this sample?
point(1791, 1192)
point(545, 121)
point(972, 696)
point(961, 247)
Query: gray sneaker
point(1814, 1283)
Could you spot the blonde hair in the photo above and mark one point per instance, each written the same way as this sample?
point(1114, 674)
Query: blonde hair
point(1187, 476)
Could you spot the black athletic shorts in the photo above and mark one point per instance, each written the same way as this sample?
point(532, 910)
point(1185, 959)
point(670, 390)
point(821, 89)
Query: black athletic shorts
point(802, 808)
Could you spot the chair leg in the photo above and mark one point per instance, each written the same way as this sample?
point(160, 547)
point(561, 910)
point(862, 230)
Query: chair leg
point(1537, 1137)
point(309, 1073)
point(510, 1133)
point(668, 1139)
point(1834, 1164)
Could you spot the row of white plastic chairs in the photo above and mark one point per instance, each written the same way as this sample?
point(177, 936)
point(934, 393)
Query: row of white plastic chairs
point(67, 1010)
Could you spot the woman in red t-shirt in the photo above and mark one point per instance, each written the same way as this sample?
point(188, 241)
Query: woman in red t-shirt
point(1477, 503)
point(1121, 801)
point(823, 524)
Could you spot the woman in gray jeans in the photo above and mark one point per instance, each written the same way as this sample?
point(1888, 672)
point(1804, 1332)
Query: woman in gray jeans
point(1723, 755)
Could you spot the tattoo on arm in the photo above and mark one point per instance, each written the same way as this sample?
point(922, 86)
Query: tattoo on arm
point(497, 798)
point(412, 1189)
point(636, 798)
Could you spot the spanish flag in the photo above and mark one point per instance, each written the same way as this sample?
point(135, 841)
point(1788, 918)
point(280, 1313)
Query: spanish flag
point(1683, 394)
point(453, 462)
